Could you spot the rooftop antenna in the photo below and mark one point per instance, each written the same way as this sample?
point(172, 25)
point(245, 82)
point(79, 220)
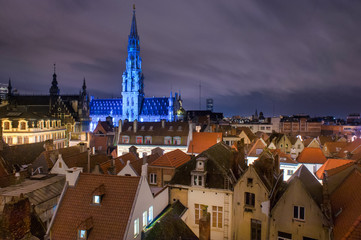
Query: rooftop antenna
point(200, 95)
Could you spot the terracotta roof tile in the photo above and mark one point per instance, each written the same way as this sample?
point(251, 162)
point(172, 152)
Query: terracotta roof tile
point(345, 202)
point(172, 159)
point(352, 147)
point(203, 140)
point(81, 160)
point(284, 157)
point(259, 144)
point(119, 162)
point(109, 220)
point(334, 147)
point(331, 164)
point(311, 155)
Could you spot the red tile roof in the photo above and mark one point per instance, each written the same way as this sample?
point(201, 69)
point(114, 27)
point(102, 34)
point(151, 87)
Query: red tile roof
point(345, 202)
point(311, 155)
point(283, 157)
point(352, 147)
point(331, 164)
point(109, 220)
point(203, 140)
point(172, 159)
point(259, 144)
point(119, 162)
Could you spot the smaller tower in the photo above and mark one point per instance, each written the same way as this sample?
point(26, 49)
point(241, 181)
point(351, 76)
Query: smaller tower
point(54, 90)
point(171, 107)
point(10, 90)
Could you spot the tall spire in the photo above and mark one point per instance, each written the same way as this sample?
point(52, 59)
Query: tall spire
point(133, 29)
point(84, 85)
point(10, 89)
point(54, 90)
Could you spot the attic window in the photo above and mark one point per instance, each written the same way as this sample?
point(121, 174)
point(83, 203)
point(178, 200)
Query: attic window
point(179, 128)
point(84, 228)
point(249, 182)
point(170, 128)
point(142, 128)
point(151, 128)
point(98, 194)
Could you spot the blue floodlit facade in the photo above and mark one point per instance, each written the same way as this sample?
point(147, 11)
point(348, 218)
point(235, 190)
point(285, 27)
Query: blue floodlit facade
point(133, 105)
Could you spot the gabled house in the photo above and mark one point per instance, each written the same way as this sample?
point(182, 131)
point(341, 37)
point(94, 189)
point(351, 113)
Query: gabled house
point(106, 207)
point(208, 180)
point(162, 170)
point(297, 213)
point(281, 141)
point(351, 149)
point(246, 134)
point(254, 194)
point(297, 146)
point(331, 149)
point(311, 143)
point(312, 158)
point(256, 150)
point(287, 164)
point(102, 139)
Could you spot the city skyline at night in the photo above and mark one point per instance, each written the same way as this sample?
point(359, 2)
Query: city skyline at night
point(279, 58)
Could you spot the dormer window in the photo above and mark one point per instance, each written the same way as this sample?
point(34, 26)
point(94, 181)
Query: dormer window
point(198, 180)
point(82, 234)
point(96, 199)
point(170, 128)
point(98, 194)
point(84, 228)
point(151, 128)
point(179, 128)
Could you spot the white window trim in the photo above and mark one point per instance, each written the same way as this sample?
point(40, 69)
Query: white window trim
point(299, 213)
point(136, 227)
point(153, 178)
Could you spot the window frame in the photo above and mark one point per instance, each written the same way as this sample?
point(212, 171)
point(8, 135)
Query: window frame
point(125, 139)
point(198, 212)
point(148, 139)
point(137, 138)
point(168, 140)
point(297, 209)
point(145, 219)
point(152, 178)
point(150, 215)
point(256, 225)
point(249, 199)
point(177, 140)
point(217, 216)
point(80, 231)
point(136, 227)
point(198, 180)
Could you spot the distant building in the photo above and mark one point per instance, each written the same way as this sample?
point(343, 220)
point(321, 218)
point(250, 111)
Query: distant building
point(300, 125)
point(209, 104)
point(3, 91)
point(133, 105)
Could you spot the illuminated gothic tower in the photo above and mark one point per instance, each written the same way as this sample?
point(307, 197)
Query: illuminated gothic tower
point(133, 92)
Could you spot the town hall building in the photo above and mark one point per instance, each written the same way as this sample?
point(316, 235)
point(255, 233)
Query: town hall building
point(132, 105)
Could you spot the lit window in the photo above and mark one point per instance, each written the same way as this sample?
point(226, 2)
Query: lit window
point(96, 199)
point(150, 216)
point(82, 234)
point(198, 212)
point(249, 199)
point(167, 140)
point(139, 139)
point(148, 140)
point(136, 227)
point(299, 213)
point(20, 140)
point(145, 219)
point(125, 139)
point(153, 178)
point(217, 215)
point(23, 125)
point(6, 125)
point(177, 141)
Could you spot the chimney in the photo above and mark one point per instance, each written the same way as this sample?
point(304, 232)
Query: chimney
point(72, 175)
point(205, 225)
point(120, 125)
point(145, 158)
point(145, 170)
point(163, 123)
point(49, 145)
point(133, 149)
point(82, 147)
point(135, 125)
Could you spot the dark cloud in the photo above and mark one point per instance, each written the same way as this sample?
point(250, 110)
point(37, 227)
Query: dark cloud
point(280, 57)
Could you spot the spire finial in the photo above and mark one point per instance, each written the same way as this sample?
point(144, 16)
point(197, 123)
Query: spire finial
point(134, 7)
point(54, 68)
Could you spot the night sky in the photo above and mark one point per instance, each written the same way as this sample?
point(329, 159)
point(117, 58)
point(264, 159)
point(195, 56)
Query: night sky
point(280, 57)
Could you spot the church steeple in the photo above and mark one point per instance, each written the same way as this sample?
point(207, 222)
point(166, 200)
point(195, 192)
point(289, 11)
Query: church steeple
point(54, 90)
point(10, 90)
point(84, 86)
point(132, 85)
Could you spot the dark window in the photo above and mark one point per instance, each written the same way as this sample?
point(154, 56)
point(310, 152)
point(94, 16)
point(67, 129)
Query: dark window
point(284, 236)
point(256, 229)
point(249, 199)
point(298, 212)
point(249, 181)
